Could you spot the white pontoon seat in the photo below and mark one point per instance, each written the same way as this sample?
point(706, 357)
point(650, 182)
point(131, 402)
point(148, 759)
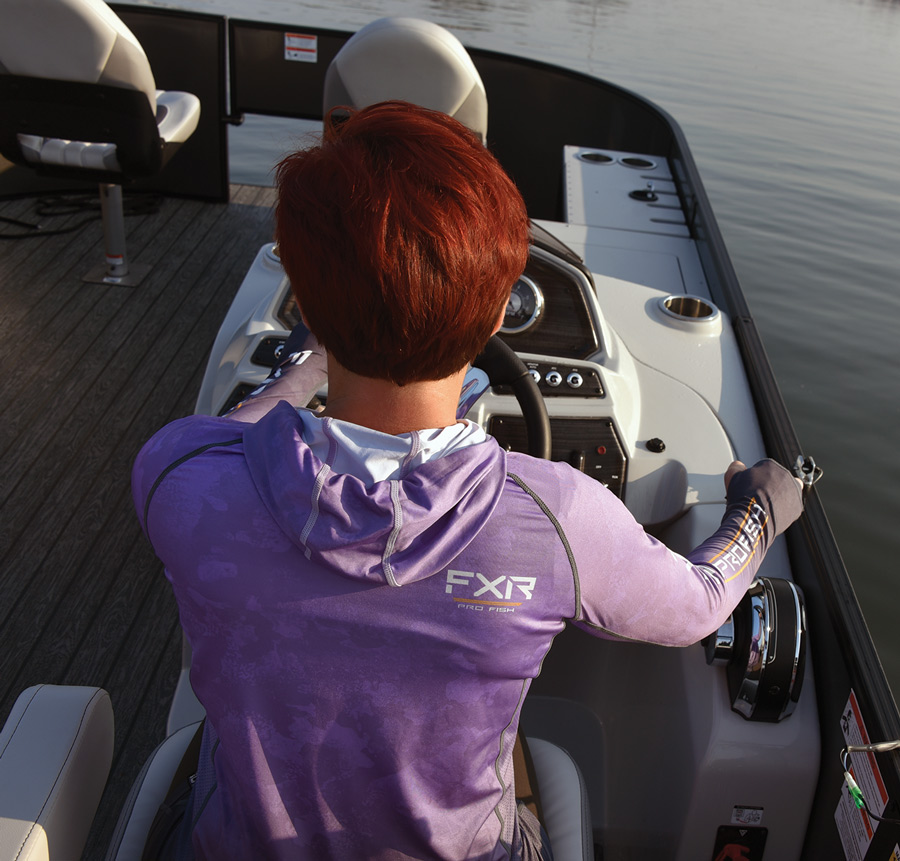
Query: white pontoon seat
point(411, 60)
point(78, 100)
point(55, 752)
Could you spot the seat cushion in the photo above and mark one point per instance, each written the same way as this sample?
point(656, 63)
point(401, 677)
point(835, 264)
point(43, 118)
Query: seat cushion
point(90, 156)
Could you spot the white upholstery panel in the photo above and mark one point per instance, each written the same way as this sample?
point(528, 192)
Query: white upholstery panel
point(55, 753)
point(31, 147)
point(147, 794)
point(177, 115)
point(563, 800)
point(185, 708)
point(95, 156)
point(73, 40)
point(413, 60)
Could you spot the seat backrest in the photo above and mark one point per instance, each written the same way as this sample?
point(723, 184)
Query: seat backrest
point(77, 96)
point(411, 60)
point(73, 40)
point(55, 752)
point(564, 798)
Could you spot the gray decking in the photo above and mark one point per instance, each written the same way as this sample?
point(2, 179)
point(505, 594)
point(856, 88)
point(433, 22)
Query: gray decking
point(88, 373)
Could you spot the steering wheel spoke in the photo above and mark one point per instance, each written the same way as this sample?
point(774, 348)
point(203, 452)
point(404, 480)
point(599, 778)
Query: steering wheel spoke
point(500, 362)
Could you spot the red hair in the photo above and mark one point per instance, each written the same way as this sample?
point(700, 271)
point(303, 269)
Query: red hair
point(402, 237)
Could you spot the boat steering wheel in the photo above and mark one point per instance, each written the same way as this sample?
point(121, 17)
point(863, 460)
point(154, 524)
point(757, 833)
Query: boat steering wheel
point(503, 367)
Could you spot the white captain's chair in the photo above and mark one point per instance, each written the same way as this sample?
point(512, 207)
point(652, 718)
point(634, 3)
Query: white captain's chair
point(78, 100)
point(410, 60)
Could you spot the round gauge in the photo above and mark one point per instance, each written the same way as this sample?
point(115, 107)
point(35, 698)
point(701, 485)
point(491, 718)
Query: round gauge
point(524, 306)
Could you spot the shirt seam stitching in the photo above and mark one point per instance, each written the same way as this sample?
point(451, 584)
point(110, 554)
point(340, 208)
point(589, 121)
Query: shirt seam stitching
point(560, 532)
point(172, 467)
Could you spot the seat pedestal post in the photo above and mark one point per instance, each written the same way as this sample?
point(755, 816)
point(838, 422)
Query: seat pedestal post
point(116, 270)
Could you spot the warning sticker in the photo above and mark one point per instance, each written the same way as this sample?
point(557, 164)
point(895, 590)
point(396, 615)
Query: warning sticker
point(853, 824)
point(301, 48)
point(895, 855)
point(746, 816)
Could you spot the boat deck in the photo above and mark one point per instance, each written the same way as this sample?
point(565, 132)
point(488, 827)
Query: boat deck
point(89, 372)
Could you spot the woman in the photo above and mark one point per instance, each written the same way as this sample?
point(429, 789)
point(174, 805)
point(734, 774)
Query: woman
point(339, 574)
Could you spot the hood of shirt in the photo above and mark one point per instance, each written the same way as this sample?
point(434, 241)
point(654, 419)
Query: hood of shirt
point(394, 531)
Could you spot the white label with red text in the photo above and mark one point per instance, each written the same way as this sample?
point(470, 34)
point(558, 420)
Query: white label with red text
point(301, 48)
point(853, 824)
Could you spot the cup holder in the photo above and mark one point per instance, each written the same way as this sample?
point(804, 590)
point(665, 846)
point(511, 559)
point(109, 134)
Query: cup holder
point(690, 312)
point(594, 157)
point(689, 307)
point(638, 163)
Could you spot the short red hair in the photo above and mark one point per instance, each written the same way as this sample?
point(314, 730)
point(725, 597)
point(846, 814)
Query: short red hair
point(402, 237)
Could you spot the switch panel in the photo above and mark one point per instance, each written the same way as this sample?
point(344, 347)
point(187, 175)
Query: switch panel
point(590, 445)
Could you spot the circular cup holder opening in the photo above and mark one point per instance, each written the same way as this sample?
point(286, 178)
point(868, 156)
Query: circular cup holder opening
point(639, 163)
point(596, 157)
point(687, 307)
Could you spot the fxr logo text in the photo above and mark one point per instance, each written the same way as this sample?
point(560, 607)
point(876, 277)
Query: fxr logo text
point(502, 588)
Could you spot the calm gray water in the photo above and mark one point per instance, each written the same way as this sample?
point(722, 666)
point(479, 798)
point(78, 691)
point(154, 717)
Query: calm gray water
point(792, 110)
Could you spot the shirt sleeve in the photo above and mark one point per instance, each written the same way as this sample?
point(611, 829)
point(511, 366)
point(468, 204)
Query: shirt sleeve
point(296, 378)
point(633, 587)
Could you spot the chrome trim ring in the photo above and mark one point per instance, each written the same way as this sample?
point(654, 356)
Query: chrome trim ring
point(524, 292)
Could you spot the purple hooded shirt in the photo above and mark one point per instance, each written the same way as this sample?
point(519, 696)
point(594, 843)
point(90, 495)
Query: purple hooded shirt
point(363, 649)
